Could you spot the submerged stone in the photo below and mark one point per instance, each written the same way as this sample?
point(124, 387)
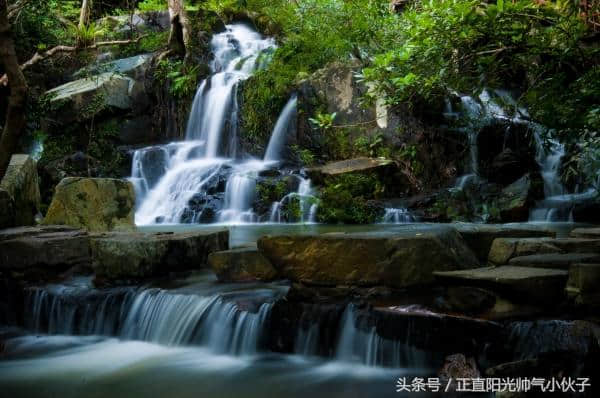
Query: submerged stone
point(137, 256)
point(97, 204)
point(396, 259)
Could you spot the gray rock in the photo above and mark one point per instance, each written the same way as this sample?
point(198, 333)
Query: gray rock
point(136, 256)
point(395, 259)
point(241, 265)
point(356, 165)
point(586, 233)
point(480, 237)
point(523, 283)
point(554, 260)
point(134, 67)
point(50, 249)
point(97, 204)
point(21, 183)
point(515, 200)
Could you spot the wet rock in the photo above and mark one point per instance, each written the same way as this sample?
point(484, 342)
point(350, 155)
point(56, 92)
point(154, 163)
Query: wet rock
point(507, 167)
point(515, 200)
point(43, 251)
point(468, 300)
point(134, 67)
point(521, 283)
point(590, 233)
point(586, 211)
point(582, 287)
point(97, 204)
point(457, 366)
point(136, 130)
point(390, 259)
point(241, 265)
point(554, 260)
point(136, 256)
point(7, 210)
point(21, 183)
point(156, 21)
point(504, 249)
point(481, 237)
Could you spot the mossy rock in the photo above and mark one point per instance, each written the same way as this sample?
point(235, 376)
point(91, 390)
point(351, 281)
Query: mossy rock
point(21, 183)
point(97, 204)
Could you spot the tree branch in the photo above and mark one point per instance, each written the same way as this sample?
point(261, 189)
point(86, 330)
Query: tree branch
point(37, 57)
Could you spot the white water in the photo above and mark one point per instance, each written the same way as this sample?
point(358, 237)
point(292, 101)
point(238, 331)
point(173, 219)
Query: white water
point(278, 137)
point(307, 203)
point(167, 178)
point(397, 216)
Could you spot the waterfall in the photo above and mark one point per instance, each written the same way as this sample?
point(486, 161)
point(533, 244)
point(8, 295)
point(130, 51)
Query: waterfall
point(193, 166)
point(153, 315)
point(307, 203)
point(397, 216)
point(278, 136)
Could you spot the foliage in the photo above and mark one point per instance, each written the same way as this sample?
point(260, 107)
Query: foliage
point(305, 155)
point(85, 35)
point(152, 5)
point(182, 79)
point(323, 121)
point(345, 199)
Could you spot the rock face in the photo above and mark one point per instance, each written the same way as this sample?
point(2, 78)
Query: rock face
point(21, 183)
point(45, 250)
point(396, 260)
point(241, 265)
point(481, 237)
point(135, 256)
point(504, 249)
point(555, 260)
point(583, 283)
point(586, 233)
point(7, 210)
point(516, 199)
point(523, 283)
point(97, 204)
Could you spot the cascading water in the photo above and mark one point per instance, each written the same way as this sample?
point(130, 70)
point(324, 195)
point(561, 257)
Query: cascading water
point(397, 216)
point(273, 152)
point(307, 204)
point(194, 166)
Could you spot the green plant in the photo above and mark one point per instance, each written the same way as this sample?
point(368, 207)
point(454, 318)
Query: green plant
point(347, 199)
point(85, 35)
point(305, 155)
point(323, 121)
point(182, 79)
point(152, 5)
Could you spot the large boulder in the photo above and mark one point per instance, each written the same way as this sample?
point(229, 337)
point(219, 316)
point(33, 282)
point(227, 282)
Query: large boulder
point(97, 204)
point(400, 259)
point(7, 210)
point(84, 98)
point(241, 265)
point(136, 256)
point(43, 250)
point(516, 199)
point(356, 165)
point(21, 183)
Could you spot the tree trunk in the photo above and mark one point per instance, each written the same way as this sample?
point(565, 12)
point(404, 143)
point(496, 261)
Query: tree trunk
point(84, 15)
point(179, 38)
point(15, 115)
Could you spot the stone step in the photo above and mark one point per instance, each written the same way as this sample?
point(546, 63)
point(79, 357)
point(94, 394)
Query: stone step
point(504, 249)
point(241, 265)
point(127, 256)
point(480, 238)
point(554, 260)
point(397, 259)
point(524, 283)
point(586, 233)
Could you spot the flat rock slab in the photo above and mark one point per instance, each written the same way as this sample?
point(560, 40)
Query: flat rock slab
point(392, 259)
point(586, 233)
point(350, 166)
point(503, 249)
point(555, 260)
point(241, 265)
point(136, 256)
point(539, 284)
point(48, 248)
point(480, 237)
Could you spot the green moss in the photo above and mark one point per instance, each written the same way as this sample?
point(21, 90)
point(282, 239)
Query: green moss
point(347, 199)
